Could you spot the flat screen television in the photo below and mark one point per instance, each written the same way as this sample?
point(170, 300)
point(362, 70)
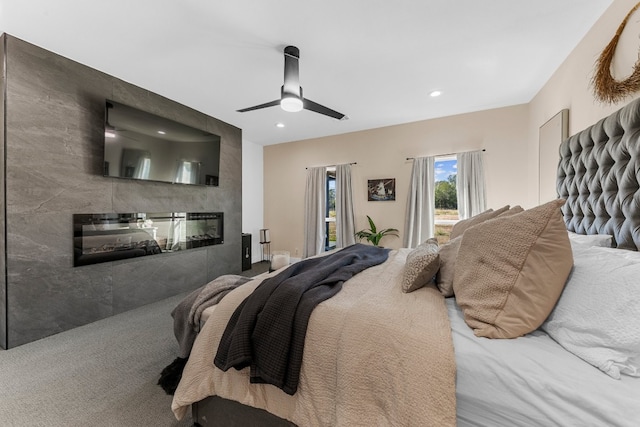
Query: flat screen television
point(144, 146)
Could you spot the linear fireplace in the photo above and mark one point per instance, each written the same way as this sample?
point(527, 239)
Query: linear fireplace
point(115, 236)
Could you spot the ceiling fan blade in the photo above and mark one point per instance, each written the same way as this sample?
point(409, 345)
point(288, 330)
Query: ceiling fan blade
point(307, 104)
point(257, 107)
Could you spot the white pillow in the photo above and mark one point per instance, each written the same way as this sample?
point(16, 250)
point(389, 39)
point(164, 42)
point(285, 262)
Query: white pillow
point(597, 317)
point(624, 253)
point(604, 240)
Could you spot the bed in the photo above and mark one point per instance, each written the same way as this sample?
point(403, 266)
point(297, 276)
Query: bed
point(531, 318)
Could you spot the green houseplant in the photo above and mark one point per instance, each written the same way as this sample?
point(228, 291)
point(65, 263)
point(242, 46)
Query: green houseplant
point(373, 234)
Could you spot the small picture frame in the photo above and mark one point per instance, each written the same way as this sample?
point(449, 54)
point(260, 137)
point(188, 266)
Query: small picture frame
point(381, 189)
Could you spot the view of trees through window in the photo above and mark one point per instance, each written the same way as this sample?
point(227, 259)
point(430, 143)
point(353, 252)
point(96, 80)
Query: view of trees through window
point(446, 197)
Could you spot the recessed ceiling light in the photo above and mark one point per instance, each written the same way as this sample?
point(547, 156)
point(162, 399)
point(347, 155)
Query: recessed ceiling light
point(279, 125)
point(109, 134)
point(435, 93)
point(161, 132)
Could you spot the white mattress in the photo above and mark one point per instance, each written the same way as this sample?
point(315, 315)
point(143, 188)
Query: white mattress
point(532, 381)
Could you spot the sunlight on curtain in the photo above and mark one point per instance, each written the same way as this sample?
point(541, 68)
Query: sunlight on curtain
point(314, 212)
point(142, 168)
point(188, 172)
point(176, 232)
point(472, 198)
point(345, 224)
point(420, 203)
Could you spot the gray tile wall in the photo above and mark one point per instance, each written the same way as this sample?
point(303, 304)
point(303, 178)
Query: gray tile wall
point(54, 138)
point(3, 280)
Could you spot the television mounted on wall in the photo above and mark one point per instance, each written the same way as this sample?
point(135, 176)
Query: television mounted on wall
point(140, 145)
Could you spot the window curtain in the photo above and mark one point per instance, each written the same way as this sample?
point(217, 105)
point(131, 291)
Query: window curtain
point(143, 167)
point(314, 211)
point(188, 172)
point(175, 233)
point(345, 228)
point(470, 184)
point(420, 203)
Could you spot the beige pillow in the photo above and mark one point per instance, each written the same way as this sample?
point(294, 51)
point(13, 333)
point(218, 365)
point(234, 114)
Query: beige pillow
point(462, 225)
point(421, 266)
point(510, 271)
point(449, 250)
point(448, 255)
point(514, 210)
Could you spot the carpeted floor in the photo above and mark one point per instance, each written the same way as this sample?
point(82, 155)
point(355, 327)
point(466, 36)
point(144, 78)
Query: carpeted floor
point(101, 374)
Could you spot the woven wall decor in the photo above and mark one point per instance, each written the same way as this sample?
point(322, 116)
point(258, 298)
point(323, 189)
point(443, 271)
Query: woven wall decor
point(605, 87)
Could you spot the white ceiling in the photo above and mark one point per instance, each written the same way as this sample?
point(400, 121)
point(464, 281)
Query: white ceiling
point(374, 60)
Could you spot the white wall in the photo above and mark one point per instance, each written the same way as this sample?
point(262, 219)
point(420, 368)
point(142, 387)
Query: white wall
point(252, 195)
point(382, 153)
point(570, 86)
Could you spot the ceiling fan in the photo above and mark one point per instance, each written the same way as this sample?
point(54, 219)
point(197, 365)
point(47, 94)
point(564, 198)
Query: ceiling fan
point(291, 98)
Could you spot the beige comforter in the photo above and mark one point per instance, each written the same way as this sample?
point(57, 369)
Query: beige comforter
point(373, 356)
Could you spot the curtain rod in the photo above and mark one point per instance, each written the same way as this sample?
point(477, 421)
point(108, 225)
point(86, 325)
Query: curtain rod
point(330, 166)
point(449, 154)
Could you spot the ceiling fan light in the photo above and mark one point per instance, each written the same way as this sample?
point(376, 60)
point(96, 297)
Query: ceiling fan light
point(291, 104)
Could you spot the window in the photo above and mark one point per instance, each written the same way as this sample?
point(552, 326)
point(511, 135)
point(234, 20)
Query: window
point(330, 216)
point(446, 197)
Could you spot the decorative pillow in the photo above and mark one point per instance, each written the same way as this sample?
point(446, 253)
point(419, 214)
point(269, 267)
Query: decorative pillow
point(421, 266)
point(510, 271)
point(597, 315)
point(462, 225)
point(449, 253)
point(514, 210)
point(603, 240)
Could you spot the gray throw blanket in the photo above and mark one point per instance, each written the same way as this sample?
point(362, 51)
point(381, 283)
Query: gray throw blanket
point(268, 329)
point(186, 315)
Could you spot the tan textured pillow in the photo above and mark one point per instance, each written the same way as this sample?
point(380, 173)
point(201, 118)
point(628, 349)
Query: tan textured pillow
point(510, 271)
point(448, 255)
point(449, 251)
point(462, 225)
point(421, 266)
point(514, 210)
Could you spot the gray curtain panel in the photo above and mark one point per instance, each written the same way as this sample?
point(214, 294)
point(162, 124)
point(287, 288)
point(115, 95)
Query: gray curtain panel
point(314, 211)
point(472, 197)
point(420, 203)
point(345, 224)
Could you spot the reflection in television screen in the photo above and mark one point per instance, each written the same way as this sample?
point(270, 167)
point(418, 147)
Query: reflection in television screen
point(144, 146)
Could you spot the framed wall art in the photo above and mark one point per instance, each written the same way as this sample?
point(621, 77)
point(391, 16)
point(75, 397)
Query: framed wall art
point(381, 189)
point(550, 135)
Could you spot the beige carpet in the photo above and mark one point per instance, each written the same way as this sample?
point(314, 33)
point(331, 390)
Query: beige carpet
point(102, 374)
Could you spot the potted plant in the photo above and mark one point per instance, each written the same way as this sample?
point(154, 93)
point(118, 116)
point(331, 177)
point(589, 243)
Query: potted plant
point(373, 234)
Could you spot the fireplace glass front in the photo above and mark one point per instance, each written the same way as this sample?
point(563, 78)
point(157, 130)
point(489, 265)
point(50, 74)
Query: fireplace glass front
point(115, 236)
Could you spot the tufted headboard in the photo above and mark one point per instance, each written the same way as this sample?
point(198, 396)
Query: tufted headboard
point(599, 176)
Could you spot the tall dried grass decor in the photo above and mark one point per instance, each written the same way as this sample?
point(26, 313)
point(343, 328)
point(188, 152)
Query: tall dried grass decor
point(605, 87)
